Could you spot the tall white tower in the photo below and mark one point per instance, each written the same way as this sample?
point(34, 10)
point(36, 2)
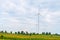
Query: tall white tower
point(38, 21)
point(38, 27)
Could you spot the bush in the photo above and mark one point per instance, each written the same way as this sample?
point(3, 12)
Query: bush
point(2, 36)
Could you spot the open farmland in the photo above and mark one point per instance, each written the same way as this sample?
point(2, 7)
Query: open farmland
point(7, 36)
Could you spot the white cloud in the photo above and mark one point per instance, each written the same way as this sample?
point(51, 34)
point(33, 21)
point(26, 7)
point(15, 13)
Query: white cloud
point(25, 15)
point(7, 5)
point(44, 12)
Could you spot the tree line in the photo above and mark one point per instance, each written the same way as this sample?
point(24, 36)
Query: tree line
point(27, 33)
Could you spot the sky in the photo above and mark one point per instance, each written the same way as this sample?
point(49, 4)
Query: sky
point(22, 15)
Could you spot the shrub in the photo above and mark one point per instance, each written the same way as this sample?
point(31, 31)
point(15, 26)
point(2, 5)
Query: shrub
point(2, 36)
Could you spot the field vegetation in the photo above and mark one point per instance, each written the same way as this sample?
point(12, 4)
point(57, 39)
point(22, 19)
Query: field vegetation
point(28, 36)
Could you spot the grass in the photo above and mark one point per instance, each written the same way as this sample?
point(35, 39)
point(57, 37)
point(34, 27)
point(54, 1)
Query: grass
point(7, 36)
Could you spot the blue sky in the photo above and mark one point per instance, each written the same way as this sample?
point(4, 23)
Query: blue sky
point(17, 15)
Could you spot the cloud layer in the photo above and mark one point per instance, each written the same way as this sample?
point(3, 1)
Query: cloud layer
point(17, 15)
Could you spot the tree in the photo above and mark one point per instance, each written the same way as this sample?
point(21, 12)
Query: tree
point(27, 33)
point(47, 33)
point(11, 32)
point(33, 33)
point(18, 32)
point(15, 32)
point(30, 34)
point(1, 32)
point(22, 32)
point(5, 31)
point(43, 33)
point(37, 33)
point(56, 34)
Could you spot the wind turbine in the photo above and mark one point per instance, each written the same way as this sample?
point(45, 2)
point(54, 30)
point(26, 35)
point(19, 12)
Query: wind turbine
point(38, 22)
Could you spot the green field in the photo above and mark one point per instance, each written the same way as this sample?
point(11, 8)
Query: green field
point(7, 36)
